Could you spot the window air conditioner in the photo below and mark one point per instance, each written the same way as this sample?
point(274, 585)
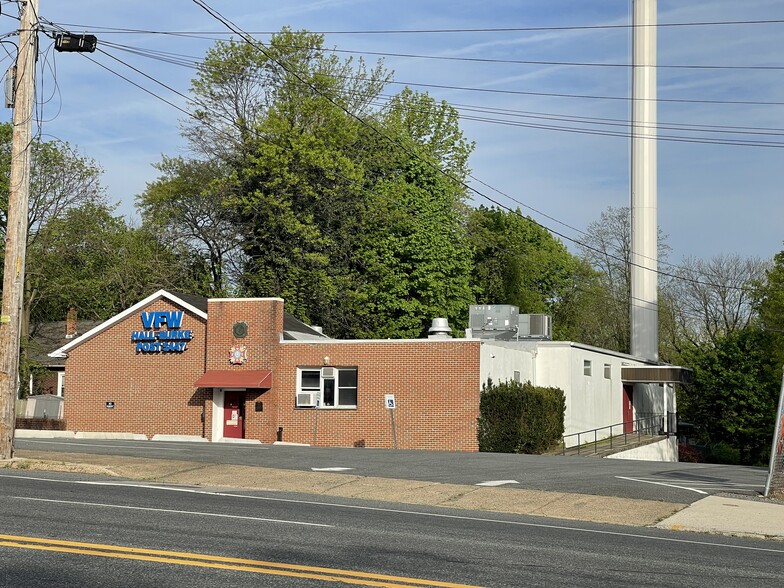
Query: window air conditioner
point(327, 372)
point(306, 399)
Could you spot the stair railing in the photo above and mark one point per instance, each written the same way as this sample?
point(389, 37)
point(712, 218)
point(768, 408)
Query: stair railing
point(640, 427)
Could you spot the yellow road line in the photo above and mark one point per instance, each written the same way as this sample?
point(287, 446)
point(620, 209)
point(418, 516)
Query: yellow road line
point(218, 562)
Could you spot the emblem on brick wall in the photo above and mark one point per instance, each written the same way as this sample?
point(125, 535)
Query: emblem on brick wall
point(238, 355)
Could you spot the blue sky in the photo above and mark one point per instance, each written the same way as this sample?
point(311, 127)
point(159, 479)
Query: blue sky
point(713, 199)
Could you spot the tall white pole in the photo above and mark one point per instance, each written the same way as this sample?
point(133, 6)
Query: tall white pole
point(16, 230)
point(644, 284)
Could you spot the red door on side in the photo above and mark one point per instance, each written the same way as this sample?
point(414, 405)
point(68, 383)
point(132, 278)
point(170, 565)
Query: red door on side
point(233, 417)
point(628, 409)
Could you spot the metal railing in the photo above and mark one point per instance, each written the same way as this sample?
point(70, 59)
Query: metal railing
point(653, 424)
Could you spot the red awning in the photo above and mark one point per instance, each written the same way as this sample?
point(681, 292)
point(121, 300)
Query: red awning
point(235, 379)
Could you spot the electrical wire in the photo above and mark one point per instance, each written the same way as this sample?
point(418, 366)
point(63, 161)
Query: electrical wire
point(231, 26)
point(473, 190)
point(463, 30)
point(487, 60)
point(178, 60)
point(186, 61)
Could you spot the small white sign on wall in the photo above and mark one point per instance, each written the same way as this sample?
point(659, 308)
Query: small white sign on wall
point(389, 401)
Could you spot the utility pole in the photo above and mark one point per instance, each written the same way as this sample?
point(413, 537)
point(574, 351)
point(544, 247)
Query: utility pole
point(16, 231)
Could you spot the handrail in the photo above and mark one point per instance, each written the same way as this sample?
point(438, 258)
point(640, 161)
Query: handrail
point(646, 424)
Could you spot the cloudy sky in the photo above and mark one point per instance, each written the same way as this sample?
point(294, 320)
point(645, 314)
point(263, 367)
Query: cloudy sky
point(542, 86)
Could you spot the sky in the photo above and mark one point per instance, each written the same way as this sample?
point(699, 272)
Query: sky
point(551, 136)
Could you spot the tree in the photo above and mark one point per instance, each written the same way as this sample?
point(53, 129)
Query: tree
point(770, 306)
point(715, 297)
point(516, 261)
point(606, 246)
point(355, 215)
point(60, 180)
point(733, 397)
point(92, 260)
point(187, 207)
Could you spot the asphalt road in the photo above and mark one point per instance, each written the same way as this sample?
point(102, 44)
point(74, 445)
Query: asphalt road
point(64, 530)
point(671, 482)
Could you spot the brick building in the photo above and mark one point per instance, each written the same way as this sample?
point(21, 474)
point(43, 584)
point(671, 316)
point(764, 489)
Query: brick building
point(223, 369)
point(253, 371)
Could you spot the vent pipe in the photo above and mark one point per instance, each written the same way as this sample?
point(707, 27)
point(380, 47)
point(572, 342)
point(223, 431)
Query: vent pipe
point(439, 329)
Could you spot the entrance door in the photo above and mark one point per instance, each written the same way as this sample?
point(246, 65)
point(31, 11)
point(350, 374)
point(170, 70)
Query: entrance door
point(233, 415)
point(628, 409)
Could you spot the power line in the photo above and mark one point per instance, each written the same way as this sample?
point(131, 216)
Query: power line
point(487, 60)
point(120, 30)
point(359, 119)
point(186, 61)
point(215, 14)
point(177, 59)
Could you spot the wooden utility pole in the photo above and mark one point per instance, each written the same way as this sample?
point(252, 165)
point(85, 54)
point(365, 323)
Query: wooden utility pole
point(16, 230)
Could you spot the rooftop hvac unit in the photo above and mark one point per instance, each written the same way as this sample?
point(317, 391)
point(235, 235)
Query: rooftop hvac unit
point(535, 326)
point(493, 317)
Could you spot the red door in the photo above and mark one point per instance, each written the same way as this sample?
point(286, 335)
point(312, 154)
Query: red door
point(628, 409)
point(233, 423)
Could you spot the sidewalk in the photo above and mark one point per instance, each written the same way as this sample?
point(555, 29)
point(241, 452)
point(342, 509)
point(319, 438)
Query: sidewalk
point(714, 514)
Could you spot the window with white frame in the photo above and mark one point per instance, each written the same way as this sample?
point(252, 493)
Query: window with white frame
point(586, 367)
point(607, 371)
point(327, 387)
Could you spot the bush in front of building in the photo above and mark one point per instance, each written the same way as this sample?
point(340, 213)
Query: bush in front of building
point(689, 454)
point(39, 424)
point(517, 417)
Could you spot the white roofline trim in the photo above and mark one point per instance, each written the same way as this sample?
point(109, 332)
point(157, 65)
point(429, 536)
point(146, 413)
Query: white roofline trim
point(63, 351)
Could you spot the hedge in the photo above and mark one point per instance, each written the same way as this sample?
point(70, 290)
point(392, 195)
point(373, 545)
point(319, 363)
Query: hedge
point(517, 417)
point(39, 424)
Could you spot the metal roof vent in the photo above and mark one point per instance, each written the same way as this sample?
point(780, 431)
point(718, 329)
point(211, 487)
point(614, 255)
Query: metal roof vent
point(439, 329)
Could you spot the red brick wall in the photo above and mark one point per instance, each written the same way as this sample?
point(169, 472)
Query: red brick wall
point(264, 317)
point(435, 383)
point(153, 392)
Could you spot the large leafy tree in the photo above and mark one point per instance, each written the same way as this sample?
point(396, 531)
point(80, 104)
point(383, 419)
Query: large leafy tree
point(352, 212)
point(733, 397)
point(92, 260)
point(770, 306)
point(517, 261)
point(61, 180)
point(186, 206)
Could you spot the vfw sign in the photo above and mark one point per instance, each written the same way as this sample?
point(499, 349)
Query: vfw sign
point(162, 333)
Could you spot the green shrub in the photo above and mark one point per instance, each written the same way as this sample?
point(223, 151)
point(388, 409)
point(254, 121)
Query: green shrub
point(520, 418)
point(723, 452)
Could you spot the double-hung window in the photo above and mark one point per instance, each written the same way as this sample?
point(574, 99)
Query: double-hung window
point(327, 387)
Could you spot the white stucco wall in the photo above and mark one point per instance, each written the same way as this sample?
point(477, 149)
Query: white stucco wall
point(664, 450)
point(499, 361)
point(592, 401)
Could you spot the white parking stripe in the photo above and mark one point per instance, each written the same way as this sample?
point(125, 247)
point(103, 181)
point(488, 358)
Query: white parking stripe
point(662, 484)
point(498, 483)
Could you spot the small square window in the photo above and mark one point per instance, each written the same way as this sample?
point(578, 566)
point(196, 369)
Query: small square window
point(586, 367)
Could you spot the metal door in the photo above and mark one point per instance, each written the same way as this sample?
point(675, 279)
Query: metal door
point(233, 415)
